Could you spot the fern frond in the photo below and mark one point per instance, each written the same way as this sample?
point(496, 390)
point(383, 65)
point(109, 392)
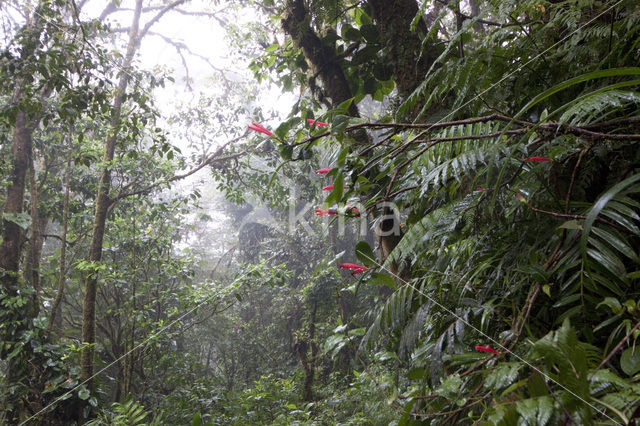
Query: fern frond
point(428, 230)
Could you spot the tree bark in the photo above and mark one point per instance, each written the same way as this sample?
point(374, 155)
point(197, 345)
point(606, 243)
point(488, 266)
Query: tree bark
point(13, 235)
point(321, 58)
point(393, 19)
point(36, 239)
point(102, 205)
point(409, 60)
point(62, 272)
point(308, 363)
point(15, 321)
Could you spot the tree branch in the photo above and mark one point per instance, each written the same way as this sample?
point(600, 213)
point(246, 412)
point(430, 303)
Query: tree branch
point(216, 157)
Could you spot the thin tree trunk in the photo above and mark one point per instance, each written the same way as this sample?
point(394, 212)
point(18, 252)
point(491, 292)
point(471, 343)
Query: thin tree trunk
point(308, 363)
point(129, 360)
point(62, 272)
point(36, 239)
point(102, 206)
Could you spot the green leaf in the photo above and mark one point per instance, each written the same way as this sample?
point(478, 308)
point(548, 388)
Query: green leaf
point(379, 278)
point(344, 106)
point(357, 332)
point(600, 204)
point(571, 224)
point(416, 374)
point(197, 420)
point(336, 194)
point(365, 254)
point(613, 303)
point(84, 393)
point(630, 361)
point(286, 152)
point(339, 123)
point(504, 375)
point(23, 220)
point(342, 156)
point(349, 33)
point(369, 33)
point(614, 72)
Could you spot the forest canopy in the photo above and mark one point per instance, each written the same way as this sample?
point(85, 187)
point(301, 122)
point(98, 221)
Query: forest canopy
point(352, 212)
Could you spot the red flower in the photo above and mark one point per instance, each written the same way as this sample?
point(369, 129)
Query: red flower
point(487, 349)
point(536, 159)
point(330, 188)
point(355, 269)
point(260, 128)
point(480, 189)
point(317, 123)
point(323, 171)
point(320, 212)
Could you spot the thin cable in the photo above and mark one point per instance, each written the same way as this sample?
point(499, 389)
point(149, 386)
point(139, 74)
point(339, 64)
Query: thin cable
point(485, 335)
point(144, 342)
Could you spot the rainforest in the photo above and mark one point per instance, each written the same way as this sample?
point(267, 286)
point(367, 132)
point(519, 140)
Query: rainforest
point(319, 212)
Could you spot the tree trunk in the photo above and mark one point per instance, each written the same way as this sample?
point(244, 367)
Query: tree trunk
point(308, 363)
point(102, 206)
point(393, 19)
point(321, 58)
point(410, 61)
point(15, 321)
point(62, 272)
point(36, 239)
point(13, 235)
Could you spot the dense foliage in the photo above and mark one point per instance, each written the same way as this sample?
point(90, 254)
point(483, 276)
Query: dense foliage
point(467, 251)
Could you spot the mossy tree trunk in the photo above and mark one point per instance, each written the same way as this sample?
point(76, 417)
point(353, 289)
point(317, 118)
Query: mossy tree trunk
point(103, 202)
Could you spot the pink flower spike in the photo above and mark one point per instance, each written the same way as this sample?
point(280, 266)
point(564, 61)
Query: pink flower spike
point(536, 159)
point(487, 349)
point(317, 123)
point(323, 171)
point(355, 269)
point(260, 128)
point(330, 188)
point(320, 212)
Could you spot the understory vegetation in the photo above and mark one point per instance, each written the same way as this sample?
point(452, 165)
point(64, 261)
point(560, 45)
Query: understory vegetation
point(443, 227)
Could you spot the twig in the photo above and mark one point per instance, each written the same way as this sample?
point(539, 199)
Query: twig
point(616, 349)
point(573, 178)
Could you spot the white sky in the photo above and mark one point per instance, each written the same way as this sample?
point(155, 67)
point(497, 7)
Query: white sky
point(205, 37)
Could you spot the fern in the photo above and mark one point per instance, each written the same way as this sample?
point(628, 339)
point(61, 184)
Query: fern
point(428, 230)
point(599, 106)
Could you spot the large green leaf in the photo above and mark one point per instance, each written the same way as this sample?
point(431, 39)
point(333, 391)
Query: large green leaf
point(614, 72)
point(630, 361)
point(600, 204)
point(366, 255)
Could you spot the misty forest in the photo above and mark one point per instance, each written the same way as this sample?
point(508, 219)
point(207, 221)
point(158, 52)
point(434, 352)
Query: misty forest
point(319, 212)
